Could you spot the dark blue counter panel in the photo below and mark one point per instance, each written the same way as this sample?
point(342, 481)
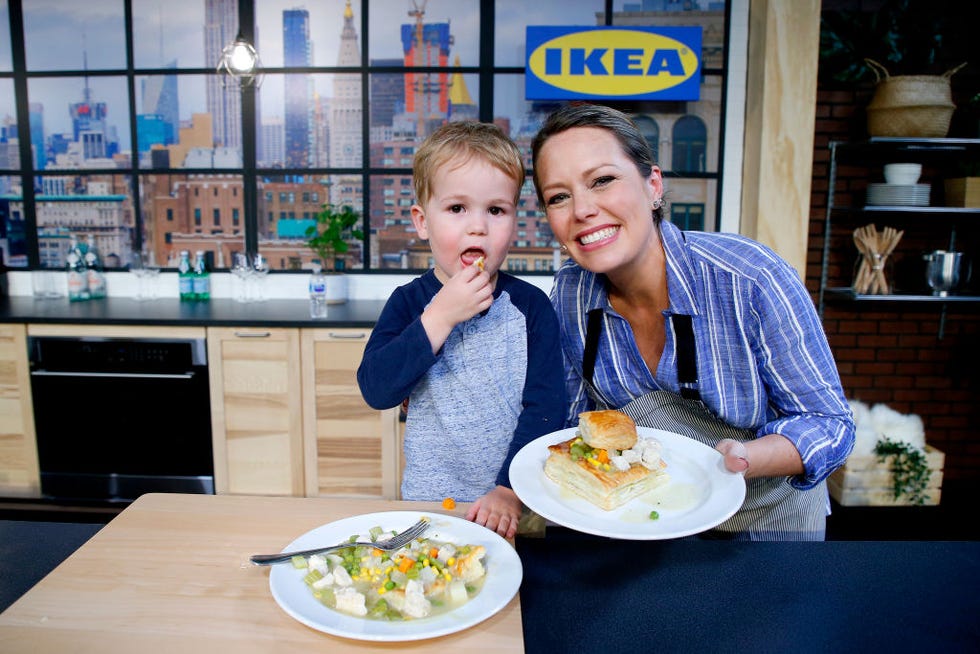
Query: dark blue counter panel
point(586, 594)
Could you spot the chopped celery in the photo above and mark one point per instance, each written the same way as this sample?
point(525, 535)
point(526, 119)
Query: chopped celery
point(312, 576)
point(375, 533)
point(299, 562)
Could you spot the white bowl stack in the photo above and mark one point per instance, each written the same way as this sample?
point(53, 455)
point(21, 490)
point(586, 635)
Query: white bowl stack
point(900, 187)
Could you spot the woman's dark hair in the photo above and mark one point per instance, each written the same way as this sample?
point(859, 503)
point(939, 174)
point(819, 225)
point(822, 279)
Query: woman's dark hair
point(615, 122)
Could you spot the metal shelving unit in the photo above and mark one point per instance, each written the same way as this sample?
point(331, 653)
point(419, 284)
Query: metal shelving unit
point(878, 151)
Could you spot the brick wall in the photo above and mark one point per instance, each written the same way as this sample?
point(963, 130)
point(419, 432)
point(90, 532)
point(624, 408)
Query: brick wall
point(892, 353)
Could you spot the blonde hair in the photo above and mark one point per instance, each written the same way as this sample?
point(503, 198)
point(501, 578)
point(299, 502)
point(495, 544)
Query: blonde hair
point(462, 140)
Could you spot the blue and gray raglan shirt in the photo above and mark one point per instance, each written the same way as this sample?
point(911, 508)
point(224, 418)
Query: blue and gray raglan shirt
point(494, 386)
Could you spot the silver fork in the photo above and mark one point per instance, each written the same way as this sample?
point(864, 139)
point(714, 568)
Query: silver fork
point(393, 543)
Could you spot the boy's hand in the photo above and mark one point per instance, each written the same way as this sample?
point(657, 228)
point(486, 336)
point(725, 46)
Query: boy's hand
point(499, 510)
point(466, 294)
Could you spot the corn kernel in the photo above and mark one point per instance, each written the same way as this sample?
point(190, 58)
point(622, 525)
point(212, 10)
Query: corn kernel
point(448, 577)
point(451, 560)
point(381, 591)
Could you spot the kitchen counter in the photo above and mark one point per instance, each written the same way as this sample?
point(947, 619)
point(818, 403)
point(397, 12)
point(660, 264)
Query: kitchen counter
point(171, 574)
point(171, 311)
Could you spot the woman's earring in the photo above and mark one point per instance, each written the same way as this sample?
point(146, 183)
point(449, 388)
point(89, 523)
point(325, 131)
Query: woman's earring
point(563, 248)
point(659, 202)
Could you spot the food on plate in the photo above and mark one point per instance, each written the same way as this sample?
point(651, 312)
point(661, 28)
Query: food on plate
point(449, 504)
point(606, 462)
point(424, 578)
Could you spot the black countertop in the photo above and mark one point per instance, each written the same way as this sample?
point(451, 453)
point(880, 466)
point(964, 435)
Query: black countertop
point(171, 311)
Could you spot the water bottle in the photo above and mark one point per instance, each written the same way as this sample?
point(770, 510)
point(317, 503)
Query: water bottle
point(77, 279)
point(201, 283)
point(185, 276)
point(93, 271)
point(318, 293)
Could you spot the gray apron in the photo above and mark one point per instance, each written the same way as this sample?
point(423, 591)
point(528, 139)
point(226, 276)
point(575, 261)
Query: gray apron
point(773, 510)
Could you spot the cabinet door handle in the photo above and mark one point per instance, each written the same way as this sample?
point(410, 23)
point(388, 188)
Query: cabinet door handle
point(253, 334)
point(346, 336)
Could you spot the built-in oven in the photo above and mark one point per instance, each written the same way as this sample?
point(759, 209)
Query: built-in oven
point(116, 418)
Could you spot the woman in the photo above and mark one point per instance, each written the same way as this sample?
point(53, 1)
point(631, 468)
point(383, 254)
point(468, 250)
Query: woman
point(709, 335)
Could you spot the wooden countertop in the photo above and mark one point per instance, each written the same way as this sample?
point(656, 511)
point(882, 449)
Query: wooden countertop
point(171, 573)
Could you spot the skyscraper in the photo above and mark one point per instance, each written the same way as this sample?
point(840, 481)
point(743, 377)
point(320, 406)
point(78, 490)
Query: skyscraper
point(160, 97)
point(345, 108)
point(426, 94)
point(224, 103)
point(297, 53)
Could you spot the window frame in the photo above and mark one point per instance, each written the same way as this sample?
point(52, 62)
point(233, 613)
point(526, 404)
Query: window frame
point(486, 71)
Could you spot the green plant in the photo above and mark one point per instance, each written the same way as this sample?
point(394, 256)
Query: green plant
point(910, 471)
point(330, 237)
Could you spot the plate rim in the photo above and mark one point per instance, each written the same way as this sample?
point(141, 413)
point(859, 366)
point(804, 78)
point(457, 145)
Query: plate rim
point(523, 492)
point(445, 623)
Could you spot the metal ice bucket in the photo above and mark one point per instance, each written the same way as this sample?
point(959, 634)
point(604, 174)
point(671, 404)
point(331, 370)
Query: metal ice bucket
point(944, 271)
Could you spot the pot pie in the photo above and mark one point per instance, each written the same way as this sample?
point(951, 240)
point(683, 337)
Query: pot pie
point(606, 462)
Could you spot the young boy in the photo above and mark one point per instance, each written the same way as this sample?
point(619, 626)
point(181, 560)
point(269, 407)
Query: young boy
point(474, 349)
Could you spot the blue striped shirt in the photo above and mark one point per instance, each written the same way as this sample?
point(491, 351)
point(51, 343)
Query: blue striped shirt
point(763, 358)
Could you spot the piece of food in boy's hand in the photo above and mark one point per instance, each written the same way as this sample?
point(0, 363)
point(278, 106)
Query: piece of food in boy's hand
point(480, 263)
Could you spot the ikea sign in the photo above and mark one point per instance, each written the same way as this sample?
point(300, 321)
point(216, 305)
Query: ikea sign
point(613, 63)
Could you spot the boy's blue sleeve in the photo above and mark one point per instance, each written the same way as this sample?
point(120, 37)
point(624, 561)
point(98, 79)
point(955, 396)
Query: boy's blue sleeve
point(544, 397)
point(397, 355)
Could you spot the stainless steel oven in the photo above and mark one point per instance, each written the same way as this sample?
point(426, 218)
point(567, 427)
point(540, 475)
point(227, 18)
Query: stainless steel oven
point(116, 418)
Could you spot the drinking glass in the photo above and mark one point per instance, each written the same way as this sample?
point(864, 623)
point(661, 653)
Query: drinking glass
point(242, 273)
point(260, 270)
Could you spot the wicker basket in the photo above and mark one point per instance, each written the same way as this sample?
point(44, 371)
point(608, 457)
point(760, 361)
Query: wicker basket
point(910, 105)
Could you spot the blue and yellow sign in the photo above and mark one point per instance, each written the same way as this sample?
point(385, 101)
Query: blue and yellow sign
point(613, 63)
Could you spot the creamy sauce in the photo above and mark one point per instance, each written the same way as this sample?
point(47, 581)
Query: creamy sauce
point(671, 497)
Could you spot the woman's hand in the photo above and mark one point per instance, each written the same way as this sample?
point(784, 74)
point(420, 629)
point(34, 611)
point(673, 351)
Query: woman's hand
point(735, 453)
point(773, 455)
point(499, 510)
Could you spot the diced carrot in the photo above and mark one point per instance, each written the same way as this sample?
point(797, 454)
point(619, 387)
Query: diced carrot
point(434, 553)
point(602, 456)
point(449, 503)
point(406, 564)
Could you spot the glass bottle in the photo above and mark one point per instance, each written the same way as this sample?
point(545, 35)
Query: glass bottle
point(77, 278)
point(318, 293)
point(185, 276)
point(93, 271)
point(202, 278)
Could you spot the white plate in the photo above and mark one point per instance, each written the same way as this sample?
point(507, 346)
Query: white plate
point(504, 574)
point(701, 493)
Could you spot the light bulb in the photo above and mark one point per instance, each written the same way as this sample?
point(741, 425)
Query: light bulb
point(242, 58)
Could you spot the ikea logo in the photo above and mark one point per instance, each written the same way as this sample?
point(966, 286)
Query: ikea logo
point(613, 63)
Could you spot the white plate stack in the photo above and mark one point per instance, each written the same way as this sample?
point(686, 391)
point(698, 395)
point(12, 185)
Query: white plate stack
point(904, 195)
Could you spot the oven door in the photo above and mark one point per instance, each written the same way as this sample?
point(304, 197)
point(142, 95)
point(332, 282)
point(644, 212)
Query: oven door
point(118, 435)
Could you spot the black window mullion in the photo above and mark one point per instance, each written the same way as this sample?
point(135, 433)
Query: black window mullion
point(250, 191)
point(134, 180)
point(19, 60)
point(487, 76)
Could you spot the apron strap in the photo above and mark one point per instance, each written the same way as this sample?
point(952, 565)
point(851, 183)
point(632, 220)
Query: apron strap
point(687, 358)
point(687, 365)
point(592, 331)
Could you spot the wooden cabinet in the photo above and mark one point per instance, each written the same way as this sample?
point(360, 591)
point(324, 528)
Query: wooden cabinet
point(350, 449)
point(19, 474)
point(256, 410)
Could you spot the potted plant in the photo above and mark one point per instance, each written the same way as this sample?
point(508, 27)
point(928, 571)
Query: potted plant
point(329, 238)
